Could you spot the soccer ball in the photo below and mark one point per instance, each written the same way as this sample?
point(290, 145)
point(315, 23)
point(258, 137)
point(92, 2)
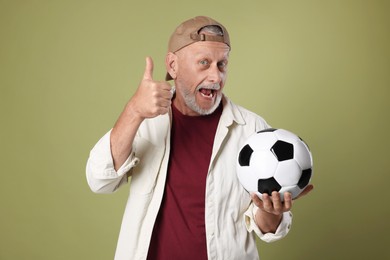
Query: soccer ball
point(274, 160)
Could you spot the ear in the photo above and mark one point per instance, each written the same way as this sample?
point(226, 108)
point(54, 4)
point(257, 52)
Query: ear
point(171, 64)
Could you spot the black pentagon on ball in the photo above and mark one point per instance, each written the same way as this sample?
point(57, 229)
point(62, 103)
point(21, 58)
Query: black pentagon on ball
point(283, 150)
point(244, 156)
point(268, 185)
point(305, 178)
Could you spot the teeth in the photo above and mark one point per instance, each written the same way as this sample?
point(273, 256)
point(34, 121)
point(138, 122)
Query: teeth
point(208, 93)
point(209, 96)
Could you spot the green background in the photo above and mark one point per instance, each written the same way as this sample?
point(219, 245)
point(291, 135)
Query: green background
point(318, 68)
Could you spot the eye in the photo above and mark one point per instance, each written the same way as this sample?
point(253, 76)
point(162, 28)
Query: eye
point(204, 62)
point(222, 64)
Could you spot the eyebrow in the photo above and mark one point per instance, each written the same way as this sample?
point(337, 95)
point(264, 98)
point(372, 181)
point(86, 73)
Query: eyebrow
point(200, 55)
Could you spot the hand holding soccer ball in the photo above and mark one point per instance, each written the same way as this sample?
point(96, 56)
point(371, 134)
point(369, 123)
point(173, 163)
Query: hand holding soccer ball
point(275, 160)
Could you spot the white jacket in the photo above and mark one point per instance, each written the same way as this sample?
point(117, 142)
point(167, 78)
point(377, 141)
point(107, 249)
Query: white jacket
point(228, 208)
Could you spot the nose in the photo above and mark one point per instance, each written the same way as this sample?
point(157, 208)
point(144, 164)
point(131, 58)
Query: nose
point(215, 75)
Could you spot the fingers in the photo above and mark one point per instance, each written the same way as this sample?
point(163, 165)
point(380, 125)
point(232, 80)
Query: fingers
point(256, 200)
point(148, 74)
point(267, 203)
point(287, 201)
point(277, 203)
point(273, 203)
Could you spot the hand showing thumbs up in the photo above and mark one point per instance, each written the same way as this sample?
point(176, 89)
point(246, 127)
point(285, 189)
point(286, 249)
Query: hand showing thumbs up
point(152, 98)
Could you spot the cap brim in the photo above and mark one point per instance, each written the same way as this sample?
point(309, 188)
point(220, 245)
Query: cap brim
point(168, 77)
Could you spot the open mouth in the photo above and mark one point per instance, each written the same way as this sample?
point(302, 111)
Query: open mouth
point(208, 93)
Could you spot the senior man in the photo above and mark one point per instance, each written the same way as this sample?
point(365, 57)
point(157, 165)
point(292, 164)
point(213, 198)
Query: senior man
point(177, 146)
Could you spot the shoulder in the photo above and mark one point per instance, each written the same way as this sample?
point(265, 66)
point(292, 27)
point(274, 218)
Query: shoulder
point(244, 116)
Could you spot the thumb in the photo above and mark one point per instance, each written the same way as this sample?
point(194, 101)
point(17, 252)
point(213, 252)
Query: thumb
point(308, 189)
point(148, 74)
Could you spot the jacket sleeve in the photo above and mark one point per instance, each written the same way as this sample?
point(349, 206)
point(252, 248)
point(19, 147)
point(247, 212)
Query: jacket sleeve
point(101, 175)
point(281, 231)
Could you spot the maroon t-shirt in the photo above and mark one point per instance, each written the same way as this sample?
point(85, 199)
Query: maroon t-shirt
point(179, 231)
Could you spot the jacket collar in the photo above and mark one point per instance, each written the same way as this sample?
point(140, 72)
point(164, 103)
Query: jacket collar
point(231, 113)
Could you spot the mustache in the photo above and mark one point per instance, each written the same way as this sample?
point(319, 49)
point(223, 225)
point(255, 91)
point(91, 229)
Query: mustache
point(210, 86)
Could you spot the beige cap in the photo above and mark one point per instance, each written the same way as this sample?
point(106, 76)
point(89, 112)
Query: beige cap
point(188, 33)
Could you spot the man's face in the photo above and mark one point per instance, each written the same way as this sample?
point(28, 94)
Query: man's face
point(200, 77)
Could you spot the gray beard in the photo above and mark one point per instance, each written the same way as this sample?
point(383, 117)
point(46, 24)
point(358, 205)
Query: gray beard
point(190, 101)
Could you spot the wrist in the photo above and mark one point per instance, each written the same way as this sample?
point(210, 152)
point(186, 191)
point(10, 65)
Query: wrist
point(132, 113)
point(267, 222)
